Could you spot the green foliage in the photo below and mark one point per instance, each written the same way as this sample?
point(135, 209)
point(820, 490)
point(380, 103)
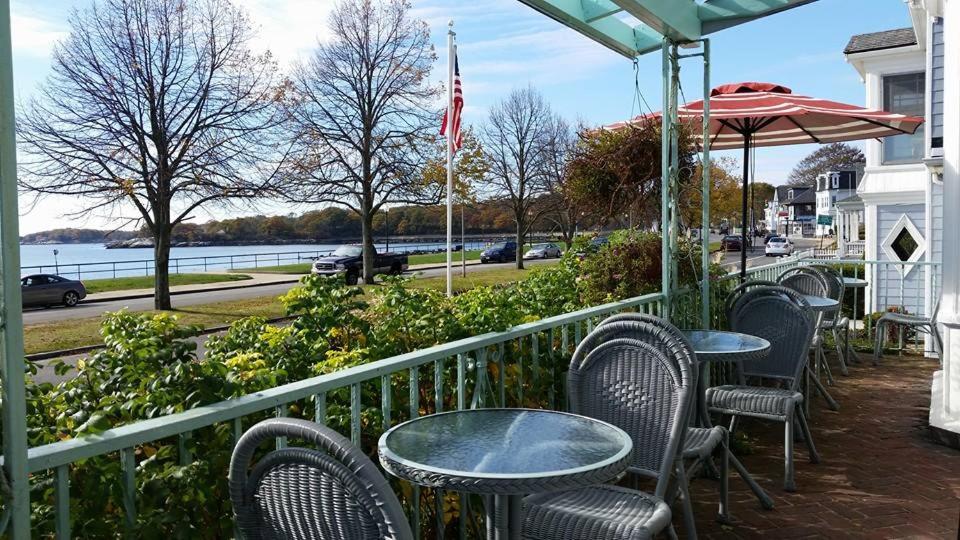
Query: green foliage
point(623, 268)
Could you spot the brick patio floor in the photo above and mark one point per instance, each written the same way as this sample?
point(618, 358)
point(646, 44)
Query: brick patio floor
point(880, 476)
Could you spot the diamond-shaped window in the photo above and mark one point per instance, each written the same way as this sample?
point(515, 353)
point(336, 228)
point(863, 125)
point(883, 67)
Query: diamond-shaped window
point(904, 245)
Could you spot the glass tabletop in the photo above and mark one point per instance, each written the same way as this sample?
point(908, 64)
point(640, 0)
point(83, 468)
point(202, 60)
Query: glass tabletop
point(854, 283)
point(820, 303)
point(505, 443)
point(717, 342)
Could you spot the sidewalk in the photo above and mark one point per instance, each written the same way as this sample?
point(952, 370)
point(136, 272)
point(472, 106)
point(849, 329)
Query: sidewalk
point(257, 280)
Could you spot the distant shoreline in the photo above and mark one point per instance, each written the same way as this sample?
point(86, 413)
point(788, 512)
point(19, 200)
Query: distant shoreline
point(143, 243)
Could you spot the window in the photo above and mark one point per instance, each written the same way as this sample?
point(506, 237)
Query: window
point(904, 243)
point(904, 94)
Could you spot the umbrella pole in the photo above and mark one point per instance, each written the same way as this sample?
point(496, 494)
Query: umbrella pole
point(743, 217)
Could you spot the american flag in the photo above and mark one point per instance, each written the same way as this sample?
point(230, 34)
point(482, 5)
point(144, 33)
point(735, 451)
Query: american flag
point(457, 108)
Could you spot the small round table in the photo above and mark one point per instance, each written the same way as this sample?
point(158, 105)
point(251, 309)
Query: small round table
point(506, 453)
point(720, 346)
point(821, 303)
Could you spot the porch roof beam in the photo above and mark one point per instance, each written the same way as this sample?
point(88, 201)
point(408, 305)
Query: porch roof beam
point(677, 19)
point(584, 17)
point(594, 10)
point(717, 15)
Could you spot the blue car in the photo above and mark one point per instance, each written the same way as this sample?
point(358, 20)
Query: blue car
point(499, 252)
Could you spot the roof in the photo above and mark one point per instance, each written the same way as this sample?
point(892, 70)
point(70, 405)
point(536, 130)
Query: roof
point(809, 196)
point(877, 41)
point(854, 201)
point(784, 191)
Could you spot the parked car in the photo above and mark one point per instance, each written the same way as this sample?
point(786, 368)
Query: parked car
point(50, 290)
point(594, 246)
point(499, 252)
point(348, 260)
point(731, 243)
point(766, 239)
point(779, 246)
point(543, 251)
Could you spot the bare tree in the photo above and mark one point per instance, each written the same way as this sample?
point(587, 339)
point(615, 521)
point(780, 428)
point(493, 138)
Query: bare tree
point(157, 105)
point(562, 210)
point(829, 157)
point(517, 141)
point(362, 109)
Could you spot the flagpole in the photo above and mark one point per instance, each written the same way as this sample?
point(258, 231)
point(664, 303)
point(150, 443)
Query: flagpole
point(450, 140)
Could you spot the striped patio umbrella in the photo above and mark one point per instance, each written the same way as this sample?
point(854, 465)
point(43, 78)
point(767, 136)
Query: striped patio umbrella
point(755, 114)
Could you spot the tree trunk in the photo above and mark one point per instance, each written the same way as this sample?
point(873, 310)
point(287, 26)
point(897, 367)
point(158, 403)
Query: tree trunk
point(161, 260)
point(520, 235)
point(369, 251)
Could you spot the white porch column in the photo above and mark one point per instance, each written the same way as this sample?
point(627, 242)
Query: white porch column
point(945, 396)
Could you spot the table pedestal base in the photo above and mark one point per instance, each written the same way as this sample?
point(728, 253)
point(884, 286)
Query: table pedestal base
point(504, 516)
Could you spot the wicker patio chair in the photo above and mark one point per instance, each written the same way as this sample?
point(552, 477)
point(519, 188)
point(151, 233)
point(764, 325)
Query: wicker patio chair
point(924, 325)
point(742, 289)
point(331, 491)
point(783, 320)
point(701, 441)
point(644, 389)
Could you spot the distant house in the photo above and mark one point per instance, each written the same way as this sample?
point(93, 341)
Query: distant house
point(792, 211)
point(833, 187)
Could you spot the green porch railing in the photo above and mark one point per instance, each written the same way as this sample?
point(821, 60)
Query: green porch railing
point(475, 368)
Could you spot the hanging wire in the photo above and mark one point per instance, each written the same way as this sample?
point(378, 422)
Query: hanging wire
point(638, 101)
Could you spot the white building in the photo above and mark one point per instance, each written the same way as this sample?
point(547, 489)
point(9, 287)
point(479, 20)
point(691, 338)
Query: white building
point(833, 187)
point(910, 179)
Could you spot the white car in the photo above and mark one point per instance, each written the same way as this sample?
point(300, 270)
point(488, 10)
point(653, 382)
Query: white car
point(779, 246)
point(543, 251)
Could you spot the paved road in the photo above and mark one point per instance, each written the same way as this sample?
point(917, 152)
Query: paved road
point(95, 309)
point(731, 259)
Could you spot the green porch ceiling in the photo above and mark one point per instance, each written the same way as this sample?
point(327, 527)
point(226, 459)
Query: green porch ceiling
point(652, 20)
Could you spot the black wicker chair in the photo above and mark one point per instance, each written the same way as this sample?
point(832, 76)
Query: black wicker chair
point(331, 491)
point(645, 387)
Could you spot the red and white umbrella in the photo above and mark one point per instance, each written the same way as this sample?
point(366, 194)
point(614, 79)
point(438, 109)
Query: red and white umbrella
point(772, 115)
point(751, 114)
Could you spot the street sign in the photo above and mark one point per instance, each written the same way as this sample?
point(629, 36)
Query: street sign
point(825, 220)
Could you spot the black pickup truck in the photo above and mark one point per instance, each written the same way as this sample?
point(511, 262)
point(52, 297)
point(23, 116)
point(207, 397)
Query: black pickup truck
point(348, 260)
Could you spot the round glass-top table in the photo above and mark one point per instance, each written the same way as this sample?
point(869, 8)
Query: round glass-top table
point(506, 453)
point(821, 303)
point(854, 283)
point(717, 345)
point(721, 346)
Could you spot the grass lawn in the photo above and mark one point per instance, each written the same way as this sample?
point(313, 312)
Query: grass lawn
point(304, 268)
point(71, 333)
point(146, 282)
point(714, 246)
point(436, 258)
point(296, 268)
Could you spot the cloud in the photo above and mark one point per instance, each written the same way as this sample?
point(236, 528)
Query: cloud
point(33, 35)
point(289, 29)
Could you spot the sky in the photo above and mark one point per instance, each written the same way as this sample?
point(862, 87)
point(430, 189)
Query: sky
point(502, 45)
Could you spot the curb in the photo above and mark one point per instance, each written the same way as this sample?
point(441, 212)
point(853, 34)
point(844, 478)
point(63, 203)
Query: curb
point(176, 293)
point(49, 355)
